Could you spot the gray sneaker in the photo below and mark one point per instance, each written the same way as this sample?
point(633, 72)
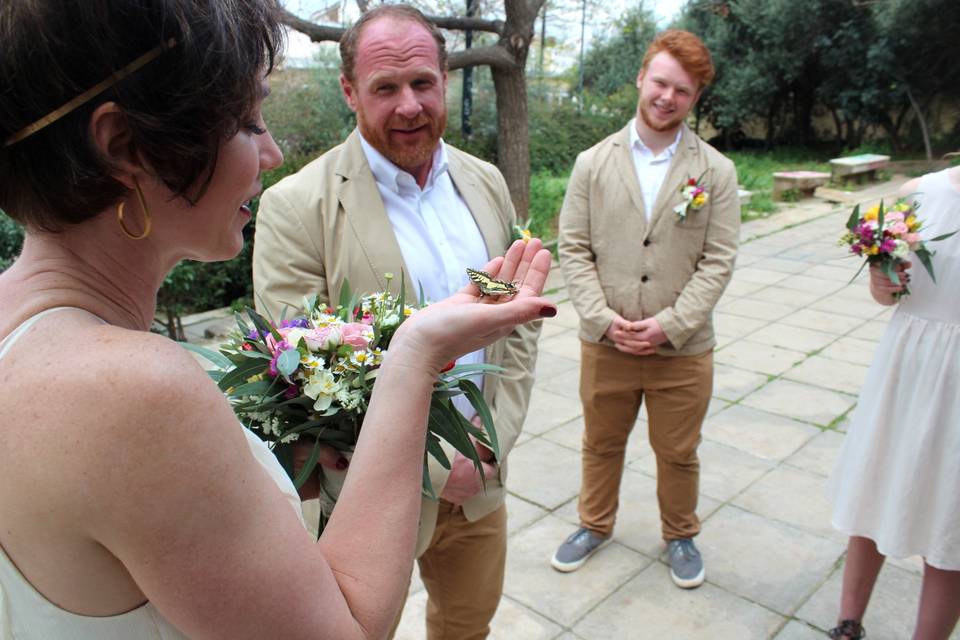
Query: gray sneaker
point(575, 550)
point(686, 565)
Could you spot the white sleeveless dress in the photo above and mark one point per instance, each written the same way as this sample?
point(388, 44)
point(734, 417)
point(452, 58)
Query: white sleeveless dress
point(26, 615)
point(897, 479)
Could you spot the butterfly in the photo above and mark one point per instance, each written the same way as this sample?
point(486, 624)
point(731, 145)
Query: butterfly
point(490, 286)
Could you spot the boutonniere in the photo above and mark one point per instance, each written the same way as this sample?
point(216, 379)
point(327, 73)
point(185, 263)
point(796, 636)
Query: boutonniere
point(695, 195)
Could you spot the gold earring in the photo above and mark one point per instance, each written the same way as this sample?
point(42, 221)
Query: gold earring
point(147, 224)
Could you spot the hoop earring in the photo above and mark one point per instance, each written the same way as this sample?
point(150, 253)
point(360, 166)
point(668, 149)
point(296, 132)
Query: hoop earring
point(147, 221)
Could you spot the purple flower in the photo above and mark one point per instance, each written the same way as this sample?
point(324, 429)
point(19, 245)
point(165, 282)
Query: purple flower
point(300, 323)
point(888, 245)
point(292, 392)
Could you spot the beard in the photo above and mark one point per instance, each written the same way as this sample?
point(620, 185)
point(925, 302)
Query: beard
point(655, 125)
point(406, 156)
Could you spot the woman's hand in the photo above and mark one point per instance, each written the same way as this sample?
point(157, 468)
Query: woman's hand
point(883, 289)
point(467, 321)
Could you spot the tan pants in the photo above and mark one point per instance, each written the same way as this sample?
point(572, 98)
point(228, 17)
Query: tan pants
point(612, 388)
point(463, 570)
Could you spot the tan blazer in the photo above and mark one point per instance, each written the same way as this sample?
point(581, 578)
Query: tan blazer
point(327, 223)
point(675, 270)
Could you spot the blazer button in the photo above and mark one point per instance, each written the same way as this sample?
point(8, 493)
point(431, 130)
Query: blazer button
point(644, 278)
point(646, 242)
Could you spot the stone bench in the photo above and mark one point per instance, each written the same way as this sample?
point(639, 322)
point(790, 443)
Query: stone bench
point(801, 182)
point(859, 168)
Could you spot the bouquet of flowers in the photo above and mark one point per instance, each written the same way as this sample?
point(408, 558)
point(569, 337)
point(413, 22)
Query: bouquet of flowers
point(885, 236)
point(311, 377)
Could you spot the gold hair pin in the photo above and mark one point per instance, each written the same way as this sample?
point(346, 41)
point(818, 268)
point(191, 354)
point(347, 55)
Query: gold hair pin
point(89, 94)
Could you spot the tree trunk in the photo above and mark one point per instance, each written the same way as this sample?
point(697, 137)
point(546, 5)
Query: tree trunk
point(510, 83)
point(923, 123)
point(513, 144)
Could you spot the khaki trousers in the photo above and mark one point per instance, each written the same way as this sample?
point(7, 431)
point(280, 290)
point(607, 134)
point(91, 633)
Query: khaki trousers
point(463, 571)
point(612, 387)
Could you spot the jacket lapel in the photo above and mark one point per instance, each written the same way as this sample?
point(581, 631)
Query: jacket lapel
point(627, 172)
point(481, 207)
point(363, 206)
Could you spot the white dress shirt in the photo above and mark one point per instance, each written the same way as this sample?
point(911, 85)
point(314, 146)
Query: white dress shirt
point(437, 234)
point(651, 169)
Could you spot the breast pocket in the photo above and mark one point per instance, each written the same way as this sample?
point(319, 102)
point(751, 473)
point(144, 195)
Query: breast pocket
point(694, 219)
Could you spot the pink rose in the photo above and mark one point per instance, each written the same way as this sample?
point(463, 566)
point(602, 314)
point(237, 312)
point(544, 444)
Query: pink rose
point(327, 337)
point(356, 334)
point(899, 229)
point(912, 239)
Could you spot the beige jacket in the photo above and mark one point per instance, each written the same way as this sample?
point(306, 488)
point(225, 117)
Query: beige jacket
point(675, 270)
point(327, 223)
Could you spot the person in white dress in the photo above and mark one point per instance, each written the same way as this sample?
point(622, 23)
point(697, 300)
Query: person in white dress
point(132, 502)
point(896, 484)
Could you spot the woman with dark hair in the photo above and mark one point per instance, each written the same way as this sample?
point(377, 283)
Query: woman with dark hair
point(132, 503)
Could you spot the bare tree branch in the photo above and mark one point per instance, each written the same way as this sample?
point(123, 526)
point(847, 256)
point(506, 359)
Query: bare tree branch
point(317, 33)
point(463, 24)
point(320, 33)
point(495, 56)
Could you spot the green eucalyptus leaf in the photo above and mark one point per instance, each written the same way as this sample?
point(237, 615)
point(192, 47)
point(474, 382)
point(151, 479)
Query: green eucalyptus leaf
point(263, 327)
point(288, 361)
point(214, 357)
point(308, 466)
point(854, 218)
point(240, 373)
point(479, 404)
point(925, 256)
point(887, 267)
point(435, 450)
point(943, 236)
point(427, 484)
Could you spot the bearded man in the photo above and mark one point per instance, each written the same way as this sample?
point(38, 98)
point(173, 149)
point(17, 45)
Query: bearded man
point(394, 197)
point(648, 237)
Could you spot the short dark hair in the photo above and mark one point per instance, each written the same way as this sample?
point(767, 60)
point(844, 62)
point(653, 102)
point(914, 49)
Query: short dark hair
point(351, 37)
point(179, 107)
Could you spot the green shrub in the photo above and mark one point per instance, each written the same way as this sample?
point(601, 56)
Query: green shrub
point(546, 198)
point(11, 239)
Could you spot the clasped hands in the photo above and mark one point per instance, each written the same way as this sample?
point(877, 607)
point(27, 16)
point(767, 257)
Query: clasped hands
point(636, 337)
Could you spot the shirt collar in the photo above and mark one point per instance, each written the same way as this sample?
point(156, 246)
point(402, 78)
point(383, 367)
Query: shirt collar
point(636, 142)
point(393, 177)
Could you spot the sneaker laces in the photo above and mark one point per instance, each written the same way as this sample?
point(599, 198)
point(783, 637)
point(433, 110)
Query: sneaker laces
point(686, 549)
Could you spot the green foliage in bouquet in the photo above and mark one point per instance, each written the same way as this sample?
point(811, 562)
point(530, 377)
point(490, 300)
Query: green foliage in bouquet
point(312, 376)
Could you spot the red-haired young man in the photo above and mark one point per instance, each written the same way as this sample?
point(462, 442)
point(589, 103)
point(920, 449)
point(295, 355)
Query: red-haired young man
point(648, 238)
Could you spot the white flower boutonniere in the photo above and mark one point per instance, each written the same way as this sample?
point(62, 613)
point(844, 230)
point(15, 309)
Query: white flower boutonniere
point(695, 195)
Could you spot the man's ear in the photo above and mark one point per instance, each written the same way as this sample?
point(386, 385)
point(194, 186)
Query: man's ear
point(110, 134)
point(639, 78)
point(349, 92)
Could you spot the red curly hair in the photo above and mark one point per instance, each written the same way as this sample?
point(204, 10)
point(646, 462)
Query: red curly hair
point(689, 51)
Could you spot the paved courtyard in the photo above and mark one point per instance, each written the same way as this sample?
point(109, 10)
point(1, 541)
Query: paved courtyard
point(794, 345)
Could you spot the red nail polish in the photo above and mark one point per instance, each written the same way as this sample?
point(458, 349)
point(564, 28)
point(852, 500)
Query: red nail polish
point(342, 463)
point(548, 312)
